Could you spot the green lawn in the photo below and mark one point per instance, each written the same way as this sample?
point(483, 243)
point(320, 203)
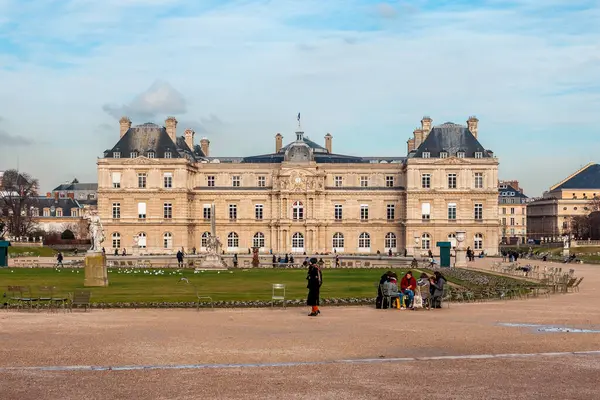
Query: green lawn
point(252, 284)
point(19, 251)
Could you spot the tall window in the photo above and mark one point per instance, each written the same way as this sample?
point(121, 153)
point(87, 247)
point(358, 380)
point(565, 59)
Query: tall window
point(389, 181)
point(337, 181)
point(425, 241)
point(168, 210)
point(425, 211)
point(451, 181)
point(258, 240)
point(258, 212)
point(390, 240)
point(116, 180)
point(168, 180)
point(503, 220)
point(235, 181)
point(451, 211)
point(116, 210)
point(142, 177)
point(262, 181)
point(297, 210)
point(478, 180)
point(142, 210)
point(478, 211)
point(364, 212)
point(338, 212)
point(233, 240)
point(232, 213)
point(210, 181)
point(338, 240)
point(512, 221)
point(364, 241)
point(46, 212)
point(59, 212)
point(503, 210)
point(167, 240)
point(426, 181)
point(478, 243)
point(298, 242)
point(142, 240)
point(512, 210)
point(452, 239)
point(204, 239)
point(391, 212)
point(364, 181)
point(206, 211)
point(116, 240)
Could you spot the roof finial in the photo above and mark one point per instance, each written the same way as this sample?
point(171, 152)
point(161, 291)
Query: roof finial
point(299, 127)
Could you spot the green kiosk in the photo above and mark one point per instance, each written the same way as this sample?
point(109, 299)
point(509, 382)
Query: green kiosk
point(4, 253)
point(444, 253)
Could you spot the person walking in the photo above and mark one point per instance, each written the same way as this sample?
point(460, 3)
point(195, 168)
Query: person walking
point(315, 280)
point(180, 259)
point(59, 259)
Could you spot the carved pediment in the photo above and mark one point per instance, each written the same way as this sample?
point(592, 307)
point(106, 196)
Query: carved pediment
point(452, 161)
point(141, 161)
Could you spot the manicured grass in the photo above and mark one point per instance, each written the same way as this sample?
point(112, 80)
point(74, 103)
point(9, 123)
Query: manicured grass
point(19, 251)
point(243, 285)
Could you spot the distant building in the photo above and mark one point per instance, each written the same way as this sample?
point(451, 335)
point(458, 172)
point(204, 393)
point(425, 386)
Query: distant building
point(57, 215)
point(77, 191)
point(512, 209)
point(549, 217)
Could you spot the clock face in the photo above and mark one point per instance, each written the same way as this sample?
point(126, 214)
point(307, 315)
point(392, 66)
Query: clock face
point(298, 180)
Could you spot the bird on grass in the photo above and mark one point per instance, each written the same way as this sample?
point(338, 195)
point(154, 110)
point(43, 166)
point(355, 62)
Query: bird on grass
point(183, 279)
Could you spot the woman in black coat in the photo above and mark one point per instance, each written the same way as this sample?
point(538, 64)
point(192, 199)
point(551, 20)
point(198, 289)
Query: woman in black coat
point(315, 280)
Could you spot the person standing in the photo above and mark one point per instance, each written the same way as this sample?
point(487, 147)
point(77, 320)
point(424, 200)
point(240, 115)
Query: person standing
point(315, 280)
point(59, 259)
point(235, 261)
point(180, 259)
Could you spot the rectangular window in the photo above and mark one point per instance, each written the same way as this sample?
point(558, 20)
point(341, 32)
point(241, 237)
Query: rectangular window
point(206, 211)
point(337, 181)
point(47, 212)
point(426, 154)
point(59, 212)
point(364, 181)
point(168, 180)
point(167, 154)
point(512, 221)
point(425, 211)
point(364, 212)
point(512, 210)
point(116, 210)
point(452, 211)
point(210, 181)
point(167, 210)
point(235, 181)
point(389, 181)
point(503, 210)
point(478, 154)
point(262, 181)
point(133, 154)
point(142, 177)
point(443, 154)
point(503, 220)
point(150, 154)
point(232, 212)
point(142, 210)
point(451, 181)
point(117, 154)
point(116, 180)
point(460, 154)
point(391, 212)
point(426, 181)
point(258, 211)
point(478, 180)
point(478, 211)
point(338, 212)
point(36, 212)
point(523, 221)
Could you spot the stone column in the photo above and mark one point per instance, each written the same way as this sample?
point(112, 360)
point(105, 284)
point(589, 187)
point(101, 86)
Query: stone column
point(461, 252)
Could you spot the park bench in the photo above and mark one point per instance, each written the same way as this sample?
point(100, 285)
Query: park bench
point(80, 299)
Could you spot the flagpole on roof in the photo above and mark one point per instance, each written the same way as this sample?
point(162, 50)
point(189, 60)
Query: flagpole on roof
point(299, 126)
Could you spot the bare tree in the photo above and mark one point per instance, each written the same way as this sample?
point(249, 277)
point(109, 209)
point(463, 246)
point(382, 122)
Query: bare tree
point(18, 196)
point(79, 228)
point(594, 204)
point(580, 226)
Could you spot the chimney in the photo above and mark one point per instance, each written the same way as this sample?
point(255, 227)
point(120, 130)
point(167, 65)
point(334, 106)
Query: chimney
point(410, 145)
point(204, 144)
point(418, 137)
point(48, 195)
point(125, 123)
point(278, 142)
point(189, 138)
point(426, 126)
point(472, 124)
point(328, 138)
point(171, 126)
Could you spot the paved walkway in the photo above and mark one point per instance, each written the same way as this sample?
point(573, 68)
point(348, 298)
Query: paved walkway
point(466, 351)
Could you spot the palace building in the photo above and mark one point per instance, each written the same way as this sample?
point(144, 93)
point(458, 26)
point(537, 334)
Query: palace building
point(155, 191)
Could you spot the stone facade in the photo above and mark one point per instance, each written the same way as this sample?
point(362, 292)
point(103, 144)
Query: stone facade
point(302, 198)
point(513, 212)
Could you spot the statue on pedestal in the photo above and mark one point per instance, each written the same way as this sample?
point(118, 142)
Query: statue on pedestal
point(96, 232)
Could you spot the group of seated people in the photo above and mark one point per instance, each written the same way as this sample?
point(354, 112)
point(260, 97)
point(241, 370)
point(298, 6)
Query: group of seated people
point(430, 288)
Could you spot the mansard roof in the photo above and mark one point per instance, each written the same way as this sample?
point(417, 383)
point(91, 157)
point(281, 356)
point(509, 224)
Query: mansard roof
point(450, 138)
point(509, 191)
point(587, 177)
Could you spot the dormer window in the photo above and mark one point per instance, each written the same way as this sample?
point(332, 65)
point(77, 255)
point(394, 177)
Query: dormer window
point(299, 136)
point(426, 154)
point(133, 154)
point(460, 154)
point(443, 154)
point(150, 154)
point(116, 154)
point(478, 154)
point(168, 154)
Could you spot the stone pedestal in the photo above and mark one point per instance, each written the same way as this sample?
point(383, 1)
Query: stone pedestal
point(95, 270)
point(461, 258)
point(212, 261)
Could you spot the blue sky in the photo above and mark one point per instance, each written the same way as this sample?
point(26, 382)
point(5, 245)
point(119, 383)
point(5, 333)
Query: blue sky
point(238, 72)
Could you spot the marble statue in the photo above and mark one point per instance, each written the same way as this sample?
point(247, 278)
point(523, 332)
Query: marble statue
point(96, 232)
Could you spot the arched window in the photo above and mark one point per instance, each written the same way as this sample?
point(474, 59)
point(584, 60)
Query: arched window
point(204, 239)
point(297, 210)
point(233, 240)
point(425, 241)
point(338, 241)
point(168, 240)
point(258, 240)
point(478, 244)
point(116, 240)
point(142, 240)
point(390, 240)
point(452, 239)
point(364, 241)
point(298, 242)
